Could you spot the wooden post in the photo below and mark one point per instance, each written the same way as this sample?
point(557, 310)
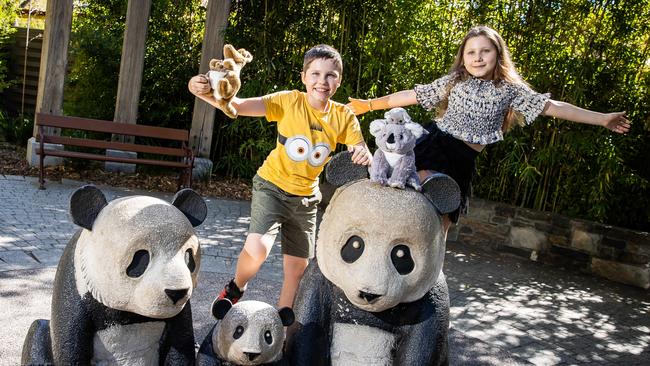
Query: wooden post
point(203, 115)
point(54, 58)
point(132, 63)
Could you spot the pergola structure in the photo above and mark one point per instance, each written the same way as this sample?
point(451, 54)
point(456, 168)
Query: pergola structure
point(54, 57)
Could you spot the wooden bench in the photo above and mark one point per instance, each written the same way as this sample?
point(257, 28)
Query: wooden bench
point(184, 158)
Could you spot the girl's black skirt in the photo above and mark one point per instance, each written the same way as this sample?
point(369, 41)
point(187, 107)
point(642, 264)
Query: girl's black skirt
point(441, 152)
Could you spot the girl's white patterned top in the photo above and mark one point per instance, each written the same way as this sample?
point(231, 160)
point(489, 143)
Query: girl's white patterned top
point(477, 107)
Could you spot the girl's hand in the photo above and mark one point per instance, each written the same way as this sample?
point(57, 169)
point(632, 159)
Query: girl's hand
point(360, 154)
point(199, 84)
point(359, 106)
point(616, 122)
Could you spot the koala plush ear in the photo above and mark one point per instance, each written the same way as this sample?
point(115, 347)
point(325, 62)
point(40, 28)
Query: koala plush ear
point(220, 308)
point(443, 192)
point(287, 316)
point(85, 204)
point(416, 129)
point(191, 205)
point(341, 170)
point(377, 126)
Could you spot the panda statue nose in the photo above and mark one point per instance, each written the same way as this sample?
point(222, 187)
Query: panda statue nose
point(368, 296)
point(176, 295)
point(391, 139)
point(251, 355)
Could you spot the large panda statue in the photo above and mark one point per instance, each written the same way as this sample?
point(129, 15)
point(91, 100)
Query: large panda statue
point(376, 295)
point(247, 333)
point(122, 287)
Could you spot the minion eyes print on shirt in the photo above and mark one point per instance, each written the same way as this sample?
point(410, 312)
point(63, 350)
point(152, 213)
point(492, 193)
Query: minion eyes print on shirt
point(299, 148)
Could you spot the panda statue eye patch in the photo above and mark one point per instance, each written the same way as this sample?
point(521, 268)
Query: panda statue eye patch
point(268, 337)
point(238, 332)
point(402, 260)
point(189, 260)
point(352, 249)
point(139, 264)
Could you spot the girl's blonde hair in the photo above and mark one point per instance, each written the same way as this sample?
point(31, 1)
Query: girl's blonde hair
point(503, 71)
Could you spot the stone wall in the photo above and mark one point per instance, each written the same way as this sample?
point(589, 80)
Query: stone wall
point(617, 254)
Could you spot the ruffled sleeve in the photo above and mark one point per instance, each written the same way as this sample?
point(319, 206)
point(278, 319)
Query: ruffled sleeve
point(429, 95)
point(528, 102)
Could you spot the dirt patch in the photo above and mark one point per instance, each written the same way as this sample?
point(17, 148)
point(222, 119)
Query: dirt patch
point(12, 162)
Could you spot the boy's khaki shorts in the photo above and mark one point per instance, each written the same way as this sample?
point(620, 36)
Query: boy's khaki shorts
point(273, 209)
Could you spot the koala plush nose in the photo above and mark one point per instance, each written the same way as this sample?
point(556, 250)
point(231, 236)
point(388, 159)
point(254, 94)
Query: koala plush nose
point(176, 295)
point(391, 139)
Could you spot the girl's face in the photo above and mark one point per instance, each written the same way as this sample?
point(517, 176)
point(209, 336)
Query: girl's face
point(321, 80)
point(480, 57)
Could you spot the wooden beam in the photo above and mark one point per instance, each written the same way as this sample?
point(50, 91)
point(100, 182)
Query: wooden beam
point(54, 58)
point(213, 40)
point(132, 62)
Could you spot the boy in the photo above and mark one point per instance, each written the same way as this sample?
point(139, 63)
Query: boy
point(309, 127)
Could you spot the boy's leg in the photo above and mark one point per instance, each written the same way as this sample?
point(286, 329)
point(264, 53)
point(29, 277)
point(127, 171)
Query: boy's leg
point(294, 268)
point(256, 249)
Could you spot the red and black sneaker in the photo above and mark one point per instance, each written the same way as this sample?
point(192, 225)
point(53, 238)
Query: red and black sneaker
point(231, 292)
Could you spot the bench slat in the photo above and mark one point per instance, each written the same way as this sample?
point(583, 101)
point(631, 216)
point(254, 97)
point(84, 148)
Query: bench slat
point(95, 125)
point(74, 154)
point(100, 144)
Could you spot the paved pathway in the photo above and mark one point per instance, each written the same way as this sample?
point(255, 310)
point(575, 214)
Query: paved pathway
point(504, 310)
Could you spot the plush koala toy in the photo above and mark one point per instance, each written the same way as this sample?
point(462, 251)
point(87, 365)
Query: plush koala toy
point(375, 295)
point(394, 160)
point(122, 287)
point(247, 333)
point(224, 77)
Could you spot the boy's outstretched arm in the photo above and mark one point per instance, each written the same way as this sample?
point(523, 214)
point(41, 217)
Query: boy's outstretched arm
point(360, 154)
point(400, 99)
point(251, 107)
point(616, 121)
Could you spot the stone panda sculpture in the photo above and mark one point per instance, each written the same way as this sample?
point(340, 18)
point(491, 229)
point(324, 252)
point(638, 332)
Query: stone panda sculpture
point(247, 333)
point(376, 295)
point(122, 287)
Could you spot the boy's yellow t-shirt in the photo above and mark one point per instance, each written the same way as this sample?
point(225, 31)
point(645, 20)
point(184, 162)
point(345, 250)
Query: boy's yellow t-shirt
point(306, 137)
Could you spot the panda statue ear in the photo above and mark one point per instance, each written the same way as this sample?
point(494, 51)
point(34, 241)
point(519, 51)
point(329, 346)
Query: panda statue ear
point(341, 170)
point(85, 204)
point(287, 316)
point(191, 205)
point(220, 308)
point(443, 192)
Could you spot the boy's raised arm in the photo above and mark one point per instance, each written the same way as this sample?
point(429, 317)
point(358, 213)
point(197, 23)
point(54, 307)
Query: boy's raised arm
point(251, 107)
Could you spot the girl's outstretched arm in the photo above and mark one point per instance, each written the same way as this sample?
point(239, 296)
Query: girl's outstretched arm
point(400, 99)
point(616, 121)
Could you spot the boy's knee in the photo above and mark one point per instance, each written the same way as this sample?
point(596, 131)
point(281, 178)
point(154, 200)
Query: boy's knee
point(256, 248)
point(295, 268)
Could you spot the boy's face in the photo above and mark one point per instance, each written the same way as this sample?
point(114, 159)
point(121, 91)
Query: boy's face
point(321, 80)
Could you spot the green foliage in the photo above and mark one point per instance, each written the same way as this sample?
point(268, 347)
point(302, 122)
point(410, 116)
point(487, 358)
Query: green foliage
point(171, 58)
point(8, 10)
point(593, 54)
point(16, 129)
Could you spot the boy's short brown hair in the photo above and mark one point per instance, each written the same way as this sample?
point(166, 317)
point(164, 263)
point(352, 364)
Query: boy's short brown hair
point(323, 51)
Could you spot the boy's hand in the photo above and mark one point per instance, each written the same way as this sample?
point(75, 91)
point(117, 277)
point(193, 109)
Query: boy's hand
point(358, 106)
point(199, 84)
point(360, 154)
point(616, 122)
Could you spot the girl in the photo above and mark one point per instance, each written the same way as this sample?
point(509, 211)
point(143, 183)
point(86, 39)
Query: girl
point(477, 100)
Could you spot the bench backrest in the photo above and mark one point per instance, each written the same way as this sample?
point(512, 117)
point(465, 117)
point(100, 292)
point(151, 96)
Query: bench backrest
point(95, 125)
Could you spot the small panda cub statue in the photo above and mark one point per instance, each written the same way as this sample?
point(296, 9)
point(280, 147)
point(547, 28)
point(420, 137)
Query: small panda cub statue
point(122, 287)
point(376, 295)
point(247, 333)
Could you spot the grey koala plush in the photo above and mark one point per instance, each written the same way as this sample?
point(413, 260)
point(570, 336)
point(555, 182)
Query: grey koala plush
point(394, 161)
